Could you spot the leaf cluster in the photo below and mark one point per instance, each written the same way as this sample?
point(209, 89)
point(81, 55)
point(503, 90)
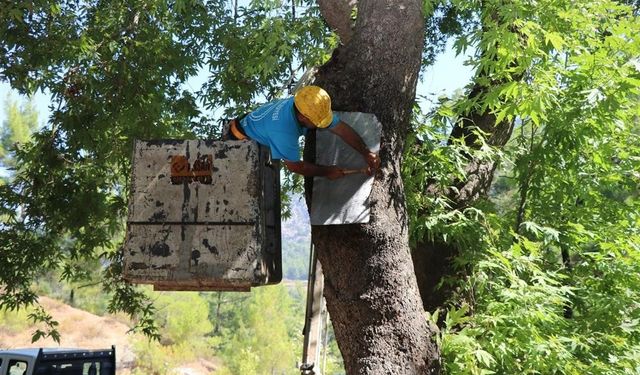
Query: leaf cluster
point(546, 273)
point(120, 71)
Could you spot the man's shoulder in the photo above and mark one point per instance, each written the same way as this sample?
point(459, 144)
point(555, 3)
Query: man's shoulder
point(273, 111)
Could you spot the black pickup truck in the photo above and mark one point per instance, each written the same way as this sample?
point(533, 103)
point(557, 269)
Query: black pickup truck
point(44, 361)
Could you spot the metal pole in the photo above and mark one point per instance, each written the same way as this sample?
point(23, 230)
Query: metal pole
point(313, 317)
point(325, 334)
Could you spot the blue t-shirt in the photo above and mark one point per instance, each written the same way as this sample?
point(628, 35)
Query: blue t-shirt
point(275, 125)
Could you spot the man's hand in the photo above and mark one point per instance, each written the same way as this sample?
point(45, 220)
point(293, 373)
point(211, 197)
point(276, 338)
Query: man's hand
point(335, 173)
point(373, 161)
point(308, 169)
point(346, 132)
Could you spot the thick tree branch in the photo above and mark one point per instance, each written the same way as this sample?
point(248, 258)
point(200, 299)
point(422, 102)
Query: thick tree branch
point(432, 259)
point(337, 14)
point(479, 172)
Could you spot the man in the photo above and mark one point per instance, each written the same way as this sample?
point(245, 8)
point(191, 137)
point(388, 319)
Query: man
point(280, 123)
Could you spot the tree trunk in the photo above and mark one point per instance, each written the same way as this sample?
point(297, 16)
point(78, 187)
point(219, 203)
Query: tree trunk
point(370, 284)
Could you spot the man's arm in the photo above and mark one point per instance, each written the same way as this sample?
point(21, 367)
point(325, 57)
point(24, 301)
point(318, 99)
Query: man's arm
point(353, 139)
point(309, 169)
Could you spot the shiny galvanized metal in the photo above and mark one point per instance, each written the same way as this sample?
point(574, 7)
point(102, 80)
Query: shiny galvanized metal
point(203, 215)
point(345, 200)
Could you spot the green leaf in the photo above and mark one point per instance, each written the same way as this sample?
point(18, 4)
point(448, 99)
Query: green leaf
point(555, 39)
point(484, 357)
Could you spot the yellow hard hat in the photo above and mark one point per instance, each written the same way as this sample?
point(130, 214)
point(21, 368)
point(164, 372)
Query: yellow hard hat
point(315, 104)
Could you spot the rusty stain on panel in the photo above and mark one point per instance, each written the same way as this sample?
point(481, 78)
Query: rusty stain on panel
point(182, 172)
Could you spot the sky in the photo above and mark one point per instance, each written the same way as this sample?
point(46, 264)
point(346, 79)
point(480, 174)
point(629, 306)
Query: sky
point(41, 100)
point(447, 75)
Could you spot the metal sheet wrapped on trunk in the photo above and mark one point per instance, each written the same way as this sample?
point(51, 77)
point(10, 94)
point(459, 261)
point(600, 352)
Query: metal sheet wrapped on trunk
point(203, 215)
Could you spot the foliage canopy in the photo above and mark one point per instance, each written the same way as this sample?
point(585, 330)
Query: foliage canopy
point(546, 274)
point(548, 262)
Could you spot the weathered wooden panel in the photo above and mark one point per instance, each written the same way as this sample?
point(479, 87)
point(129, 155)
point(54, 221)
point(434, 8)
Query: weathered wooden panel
point(230, 196)
point(186, 252)
point(203, 215)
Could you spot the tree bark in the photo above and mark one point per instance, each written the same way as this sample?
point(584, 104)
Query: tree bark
point(337, 14)
point(370, 283)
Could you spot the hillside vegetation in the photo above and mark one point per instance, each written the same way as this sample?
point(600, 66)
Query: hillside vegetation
point(201, 333)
